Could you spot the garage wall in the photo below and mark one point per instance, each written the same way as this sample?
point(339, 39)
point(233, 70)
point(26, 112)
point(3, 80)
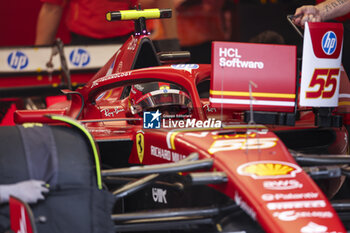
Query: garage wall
point(18, 19)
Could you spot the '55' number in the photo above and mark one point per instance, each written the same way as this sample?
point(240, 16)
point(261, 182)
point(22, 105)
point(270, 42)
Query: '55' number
point(329, 82)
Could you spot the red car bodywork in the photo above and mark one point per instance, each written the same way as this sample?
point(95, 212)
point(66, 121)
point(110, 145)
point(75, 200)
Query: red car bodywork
point(263, 178)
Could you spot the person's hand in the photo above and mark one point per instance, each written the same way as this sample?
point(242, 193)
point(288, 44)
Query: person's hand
point(307, 13)
point(29, 191)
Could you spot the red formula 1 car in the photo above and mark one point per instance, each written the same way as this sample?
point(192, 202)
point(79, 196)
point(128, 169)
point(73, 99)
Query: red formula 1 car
point(220, 155)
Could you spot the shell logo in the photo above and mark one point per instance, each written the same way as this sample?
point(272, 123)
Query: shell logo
point(268, 169)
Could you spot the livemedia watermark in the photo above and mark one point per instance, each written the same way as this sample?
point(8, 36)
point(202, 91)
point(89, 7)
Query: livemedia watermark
point(155, 120)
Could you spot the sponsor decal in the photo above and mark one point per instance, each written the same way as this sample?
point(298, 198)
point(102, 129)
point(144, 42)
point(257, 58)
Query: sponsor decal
point(100, 96)
point(17, 60)
point(140, 146)
point(230, 57)
point(79, 57)
point(187, 67)
point(138, 87)
point(241, 60)
point(166, 154)
point(323, 83)
point(104, 131)
point(111, 67)
point(242, 144)
point(329, 42)
point(320, 78)
point(255, 102)
point(151, 120)
point(109, 77)
point(199, 134)
point(196, 132)
point(292, 215)
point(245, 207)
point(215, 134)
point(32, 125)
point(120, 66)
point(163, 86)
point(112, 112)
point(313, 228)
point(296, 205)
point(236, 136)
point(161, 153)
point(159, 195)
point(268, 169)
point(132, 45)
point(282, 184)
point(288, 196)
point(207, 108)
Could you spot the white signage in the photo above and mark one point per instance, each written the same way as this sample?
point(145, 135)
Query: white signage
point(321, 65)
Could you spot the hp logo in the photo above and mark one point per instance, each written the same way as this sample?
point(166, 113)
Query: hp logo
point(329, 43)
point(79, 57)
point(17, 60)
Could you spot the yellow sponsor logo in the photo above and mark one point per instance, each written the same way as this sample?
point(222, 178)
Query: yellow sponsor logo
point(242, 144)
point(31, 125)
point(225, 136)
point(268, 169)
point(140, 146)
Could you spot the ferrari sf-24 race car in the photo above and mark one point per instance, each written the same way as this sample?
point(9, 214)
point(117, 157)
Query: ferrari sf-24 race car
point(241, 145)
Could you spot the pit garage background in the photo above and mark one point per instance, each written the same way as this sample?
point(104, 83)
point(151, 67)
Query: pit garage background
point(250, 17)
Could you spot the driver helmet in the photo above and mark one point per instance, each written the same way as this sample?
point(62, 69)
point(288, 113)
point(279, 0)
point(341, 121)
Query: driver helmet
point(166, 97)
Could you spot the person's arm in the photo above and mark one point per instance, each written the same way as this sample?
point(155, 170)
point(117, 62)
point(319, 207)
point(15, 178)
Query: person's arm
point(324, 11)
point(48, 21)
point(333, 8)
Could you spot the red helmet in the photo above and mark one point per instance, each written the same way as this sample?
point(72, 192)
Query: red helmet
point(158, 95)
